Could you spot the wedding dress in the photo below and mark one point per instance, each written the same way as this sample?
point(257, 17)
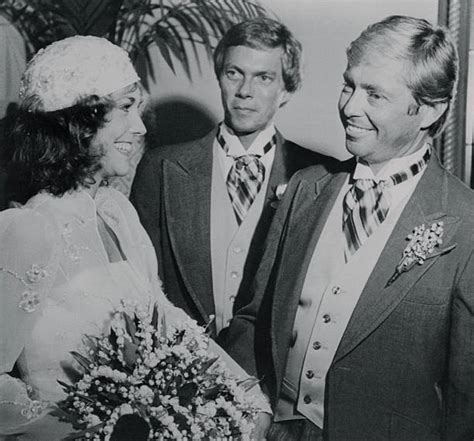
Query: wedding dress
point(57, 283)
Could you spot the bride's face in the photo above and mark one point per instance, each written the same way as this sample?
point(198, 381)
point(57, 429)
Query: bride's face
point(117, 139)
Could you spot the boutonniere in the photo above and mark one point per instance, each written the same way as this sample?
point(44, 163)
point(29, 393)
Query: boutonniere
point(421, 245)
point(278, 193)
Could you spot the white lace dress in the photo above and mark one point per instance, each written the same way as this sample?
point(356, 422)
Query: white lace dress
point(57, 284)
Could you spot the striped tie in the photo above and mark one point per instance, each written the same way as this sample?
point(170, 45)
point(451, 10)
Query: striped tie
point(366, 205)
point(245, 178)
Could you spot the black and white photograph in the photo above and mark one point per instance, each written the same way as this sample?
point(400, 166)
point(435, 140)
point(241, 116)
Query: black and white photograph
point(236, 220)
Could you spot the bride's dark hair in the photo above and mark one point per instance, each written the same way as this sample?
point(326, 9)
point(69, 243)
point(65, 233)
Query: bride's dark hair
point(51, 151)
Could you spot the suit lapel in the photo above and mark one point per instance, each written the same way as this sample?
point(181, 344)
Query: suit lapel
point(279, 174)
point(378, 300)
point(187, 199)
point(281, 170)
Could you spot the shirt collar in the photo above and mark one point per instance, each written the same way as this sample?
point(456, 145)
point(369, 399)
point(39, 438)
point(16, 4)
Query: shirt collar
point(256, 148)
point(395, 165)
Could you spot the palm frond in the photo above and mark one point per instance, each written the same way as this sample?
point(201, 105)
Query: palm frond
point(177, 28)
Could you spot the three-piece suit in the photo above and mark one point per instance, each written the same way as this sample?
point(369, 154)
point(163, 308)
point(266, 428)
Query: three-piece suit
point(404, 368)
point(172, 194)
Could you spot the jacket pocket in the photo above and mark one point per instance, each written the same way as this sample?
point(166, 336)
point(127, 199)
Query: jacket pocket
point(403, 428)
point(427, 295)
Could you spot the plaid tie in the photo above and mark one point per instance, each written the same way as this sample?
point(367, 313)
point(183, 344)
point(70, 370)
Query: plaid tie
point(245, 178)
point(366, 205)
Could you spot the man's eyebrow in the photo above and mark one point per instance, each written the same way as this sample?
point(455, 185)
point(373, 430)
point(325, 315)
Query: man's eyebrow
point(265, 72)
point(374, 88)
point(256, 73)
point(347, 77)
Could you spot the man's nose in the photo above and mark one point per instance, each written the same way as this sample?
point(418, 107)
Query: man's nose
point(353, 104)
point(245, 89)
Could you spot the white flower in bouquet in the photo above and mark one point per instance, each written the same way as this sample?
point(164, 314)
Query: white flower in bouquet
point(162, 373)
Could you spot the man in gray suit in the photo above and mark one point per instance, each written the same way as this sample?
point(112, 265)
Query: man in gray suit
point(207, 204)
point(363, 313)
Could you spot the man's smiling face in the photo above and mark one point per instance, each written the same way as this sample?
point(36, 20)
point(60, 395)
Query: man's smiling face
point(380, 116)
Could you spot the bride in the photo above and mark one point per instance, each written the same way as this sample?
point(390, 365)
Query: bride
point(76, 248)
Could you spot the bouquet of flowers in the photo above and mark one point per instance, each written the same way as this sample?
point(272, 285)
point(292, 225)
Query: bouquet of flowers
point(162, 374)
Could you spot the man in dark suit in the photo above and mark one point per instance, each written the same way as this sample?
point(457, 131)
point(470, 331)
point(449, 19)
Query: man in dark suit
point(363, 313)
point(207, 204)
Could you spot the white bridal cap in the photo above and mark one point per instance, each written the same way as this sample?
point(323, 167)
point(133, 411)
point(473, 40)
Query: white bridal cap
point(67, 70)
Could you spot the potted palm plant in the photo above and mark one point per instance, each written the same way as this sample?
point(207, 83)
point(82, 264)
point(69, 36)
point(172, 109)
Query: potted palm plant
point(175, 27)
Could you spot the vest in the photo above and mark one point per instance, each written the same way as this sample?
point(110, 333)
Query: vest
point(229, 243)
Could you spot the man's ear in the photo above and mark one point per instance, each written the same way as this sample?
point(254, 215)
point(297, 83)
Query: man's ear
point(285, 97)
point(431, 113)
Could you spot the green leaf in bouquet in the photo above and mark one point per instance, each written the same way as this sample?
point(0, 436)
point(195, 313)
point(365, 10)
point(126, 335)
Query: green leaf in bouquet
point(109, 398)
point(113, 340)
point(181, 421)
point(163, 327)
point(85, 398)
point(155, 422)
point(212, 392)
point(186, 393)
point(207, 364)
point(91, 341)
point(178, 381)
point(130, 353)
point(83, 433)
point(131, 328)
point(248, 383)
point(63, 414)
point(179, 336)
point(96, 344)
point(100, 354)
point(67, 387)
point(155, 316)
point(83, 361)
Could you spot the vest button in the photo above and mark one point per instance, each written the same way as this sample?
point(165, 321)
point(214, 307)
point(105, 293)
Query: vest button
point(326, 318)
point(307, 399)
point(232, 298)
point(309, 374)
point(336, 290)
point(316, 345)
point(234, 274)
point(237, 250)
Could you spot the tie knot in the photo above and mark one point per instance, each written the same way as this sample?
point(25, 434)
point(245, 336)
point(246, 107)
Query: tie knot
point(246, 160)
point(365, 184)
point(362, 186)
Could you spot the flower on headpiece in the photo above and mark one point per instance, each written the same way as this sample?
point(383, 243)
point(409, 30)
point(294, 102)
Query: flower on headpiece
point(421, 245)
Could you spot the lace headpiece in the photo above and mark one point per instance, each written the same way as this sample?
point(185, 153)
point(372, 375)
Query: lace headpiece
point(75, 67)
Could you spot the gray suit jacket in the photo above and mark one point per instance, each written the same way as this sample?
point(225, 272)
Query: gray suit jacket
point(404, 369)
point(172, 194)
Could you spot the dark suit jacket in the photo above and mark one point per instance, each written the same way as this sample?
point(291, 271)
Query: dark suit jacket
point(404, 369)
point(172, 194)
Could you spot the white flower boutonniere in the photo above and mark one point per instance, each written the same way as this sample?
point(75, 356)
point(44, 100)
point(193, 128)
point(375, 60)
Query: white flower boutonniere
point(422, 243)
point(278, 194)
